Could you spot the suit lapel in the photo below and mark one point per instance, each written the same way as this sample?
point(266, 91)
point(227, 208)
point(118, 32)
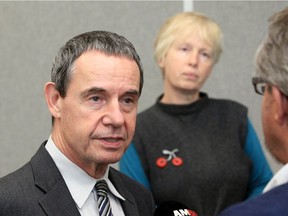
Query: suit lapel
point(53, 203)
point(56, 199)
point(129, 205)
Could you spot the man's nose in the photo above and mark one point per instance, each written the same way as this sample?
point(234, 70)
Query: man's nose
point(113, 115)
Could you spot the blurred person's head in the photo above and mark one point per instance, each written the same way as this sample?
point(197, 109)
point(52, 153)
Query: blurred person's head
point(272, 80)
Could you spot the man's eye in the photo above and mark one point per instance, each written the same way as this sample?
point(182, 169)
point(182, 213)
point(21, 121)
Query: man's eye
point(129, 100)
point(94, 98)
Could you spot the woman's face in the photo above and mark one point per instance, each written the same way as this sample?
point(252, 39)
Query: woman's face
point(187, 65)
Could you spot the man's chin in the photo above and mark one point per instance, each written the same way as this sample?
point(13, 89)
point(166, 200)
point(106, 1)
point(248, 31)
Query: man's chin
point(112, 159)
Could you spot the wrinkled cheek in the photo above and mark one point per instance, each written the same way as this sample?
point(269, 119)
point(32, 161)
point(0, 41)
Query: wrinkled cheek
point(265, 131)
point(90, 150)
point(131, 128)
point(68, 122)
point(264, 115)
point(128, 140)
point(267, 126)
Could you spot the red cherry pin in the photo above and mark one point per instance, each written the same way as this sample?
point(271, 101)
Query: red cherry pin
point(177, 161)
point(161, 162)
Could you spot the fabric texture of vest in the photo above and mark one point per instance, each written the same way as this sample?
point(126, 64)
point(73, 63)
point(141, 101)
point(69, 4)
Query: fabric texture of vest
point(209, 136)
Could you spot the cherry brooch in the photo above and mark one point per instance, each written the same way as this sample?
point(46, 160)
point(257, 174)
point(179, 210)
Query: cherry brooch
point(161, 162)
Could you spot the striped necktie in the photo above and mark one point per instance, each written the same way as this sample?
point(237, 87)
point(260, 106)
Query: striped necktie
point(102, 198)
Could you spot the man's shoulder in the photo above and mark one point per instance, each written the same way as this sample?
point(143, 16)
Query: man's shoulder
point(23, 180)
point(271, 203)
point(15, 175)
point(12, 185)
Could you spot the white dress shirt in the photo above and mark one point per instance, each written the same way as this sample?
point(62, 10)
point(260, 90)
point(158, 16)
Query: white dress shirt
point(81, 185)
point(281, 177)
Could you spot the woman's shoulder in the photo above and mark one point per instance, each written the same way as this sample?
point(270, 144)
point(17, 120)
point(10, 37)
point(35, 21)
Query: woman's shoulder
point(227, 103)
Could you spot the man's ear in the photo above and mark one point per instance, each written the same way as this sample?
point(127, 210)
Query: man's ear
point(281, 106)
point(53, 99)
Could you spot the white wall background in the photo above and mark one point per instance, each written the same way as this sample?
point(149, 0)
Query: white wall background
point(32, 32)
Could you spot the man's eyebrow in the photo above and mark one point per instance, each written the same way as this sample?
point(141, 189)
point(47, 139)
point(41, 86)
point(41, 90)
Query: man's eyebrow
point(95, 90)
point(133, 92)
point(92, 90)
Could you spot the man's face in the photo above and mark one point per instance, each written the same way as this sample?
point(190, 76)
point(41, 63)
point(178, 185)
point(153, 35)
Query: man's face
point(98, 114)
point(273, 132)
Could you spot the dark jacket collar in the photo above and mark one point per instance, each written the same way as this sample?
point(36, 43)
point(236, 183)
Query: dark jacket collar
point(129, 205)
point(57, 199)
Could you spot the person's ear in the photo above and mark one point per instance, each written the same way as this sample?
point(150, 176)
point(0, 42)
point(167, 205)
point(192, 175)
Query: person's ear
point(161, 62)
point(281, 106)
point(53, 99)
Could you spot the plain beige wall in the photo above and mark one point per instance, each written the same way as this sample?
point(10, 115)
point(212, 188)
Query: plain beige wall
point(32, 32)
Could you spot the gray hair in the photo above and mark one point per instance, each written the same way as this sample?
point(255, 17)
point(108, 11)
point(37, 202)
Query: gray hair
point(272, 55)
point(107, 42)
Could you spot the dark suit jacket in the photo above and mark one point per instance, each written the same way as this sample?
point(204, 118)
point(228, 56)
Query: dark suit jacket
point(271, 203)
point(38, 189)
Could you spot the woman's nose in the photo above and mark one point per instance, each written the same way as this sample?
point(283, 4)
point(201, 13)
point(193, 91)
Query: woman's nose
point(193, 58)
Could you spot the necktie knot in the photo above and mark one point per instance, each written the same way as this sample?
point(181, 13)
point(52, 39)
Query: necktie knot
point(101, 188)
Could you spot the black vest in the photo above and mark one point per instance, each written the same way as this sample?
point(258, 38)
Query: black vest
point(209, 135)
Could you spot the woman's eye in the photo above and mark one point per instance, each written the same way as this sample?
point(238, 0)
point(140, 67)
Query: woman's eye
point(206, 55)
point(184, 49)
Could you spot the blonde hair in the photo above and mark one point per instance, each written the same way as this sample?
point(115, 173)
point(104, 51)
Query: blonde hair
point(183, 24)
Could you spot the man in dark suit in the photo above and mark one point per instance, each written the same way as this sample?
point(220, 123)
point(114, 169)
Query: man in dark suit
point(272, 81)
point(97, 78)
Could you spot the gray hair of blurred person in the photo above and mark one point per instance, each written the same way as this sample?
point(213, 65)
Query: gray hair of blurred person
point(108, 43)
point(272, 54)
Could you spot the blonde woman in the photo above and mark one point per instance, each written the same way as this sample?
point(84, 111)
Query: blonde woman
point(187, 147)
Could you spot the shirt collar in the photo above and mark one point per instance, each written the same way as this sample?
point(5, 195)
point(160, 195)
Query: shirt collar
point(75, 176)
point(279, 178)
